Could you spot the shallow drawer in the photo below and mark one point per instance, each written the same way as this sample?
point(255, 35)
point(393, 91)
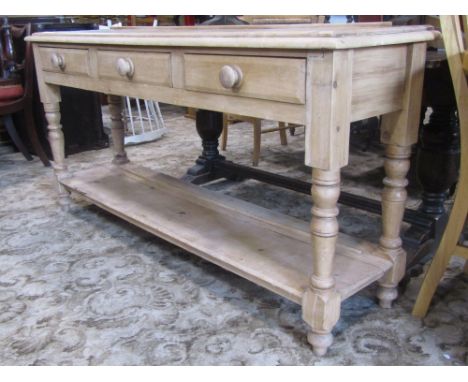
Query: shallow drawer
point(145, 67)
point(270, 78)
point(65, 60)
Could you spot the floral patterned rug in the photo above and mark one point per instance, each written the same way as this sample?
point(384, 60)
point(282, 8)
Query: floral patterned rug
point(82, 287)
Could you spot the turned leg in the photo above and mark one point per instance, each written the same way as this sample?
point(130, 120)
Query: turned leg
point(393, 206)
point(57, 146)
point(117, 129)
point(326, 151)
point(321, 303)
point(209, 127)
point(399, 131)
point(439, 140)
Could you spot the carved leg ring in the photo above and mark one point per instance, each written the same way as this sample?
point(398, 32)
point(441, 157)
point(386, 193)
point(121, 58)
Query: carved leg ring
point(321, 303)
point(57, 145)
point(393, 206)
point(117, 129)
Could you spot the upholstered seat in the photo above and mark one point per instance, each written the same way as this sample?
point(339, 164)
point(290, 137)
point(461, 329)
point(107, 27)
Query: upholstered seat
point(9, 93)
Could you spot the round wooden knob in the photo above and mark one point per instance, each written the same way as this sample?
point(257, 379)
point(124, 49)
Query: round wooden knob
point(58, 61)
point(230, 76)
point(125, 67)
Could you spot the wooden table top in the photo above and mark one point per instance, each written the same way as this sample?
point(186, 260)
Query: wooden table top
point(297, 36)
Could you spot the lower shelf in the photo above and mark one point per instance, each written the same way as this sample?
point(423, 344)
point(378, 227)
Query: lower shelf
point(268, 248)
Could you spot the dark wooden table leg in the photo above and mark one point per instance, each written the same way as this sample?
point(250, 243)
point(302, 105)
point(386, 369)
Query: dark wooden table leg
point(438, 152)
point(437, 156)
point(209, 127)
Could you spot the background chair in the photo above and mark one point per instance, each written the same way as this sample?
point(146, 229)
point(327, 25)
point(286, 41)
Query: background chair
point(449, 245)
point(229, 119)
point(17, 98)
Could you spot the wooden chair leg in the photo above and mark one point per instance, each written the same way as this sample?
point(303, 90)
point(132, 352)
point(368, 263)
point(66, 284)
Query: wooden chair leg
point(292, 131)
point(442, 256)
point(224, 134)
point(10, 127)
point(32, 135)
point(430, 283)
point(257, 141)
point(282, 133)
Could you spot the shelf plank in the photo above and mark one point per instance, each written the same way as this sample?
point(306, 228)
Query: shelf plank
point(268, 248)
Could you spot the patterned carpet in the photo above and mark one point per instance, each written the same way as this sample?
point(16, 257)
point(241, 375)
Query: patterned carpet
point(81, 287)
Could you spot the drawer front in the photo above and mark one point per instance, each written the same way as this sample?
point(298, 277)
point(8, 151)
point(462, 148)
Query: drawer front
point(270, 78)
point(65, 60)
point(142, 67)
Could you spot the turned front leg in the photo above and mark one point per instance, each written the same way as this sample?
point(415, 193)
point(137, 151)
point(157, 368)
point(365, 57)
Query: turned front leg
point(396, 166)
point(57, 146)
point(117, 129)
point(321, 303)
point(329, 91)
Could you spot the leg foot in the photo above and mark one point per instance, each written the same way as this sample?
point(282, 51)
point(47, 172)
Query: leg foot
point(386, 295)
point(320, 342)
point(64, 199)
point(120, 159)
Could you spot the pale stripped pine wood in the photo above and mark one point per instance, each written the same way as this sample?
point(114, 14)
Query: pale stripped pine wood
point(321, 302)
point(321, 37)
point(261, 76)
point(149, 68)
point(401, 127)
point(75, 60)
point(326, 85)
point(255, 240)
point(377, 85)
point(394, 195)
point(399, 130)
point(328, 117)
point(50, 97)
point(273, 110)
point(57, 145)
point(379, 76)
